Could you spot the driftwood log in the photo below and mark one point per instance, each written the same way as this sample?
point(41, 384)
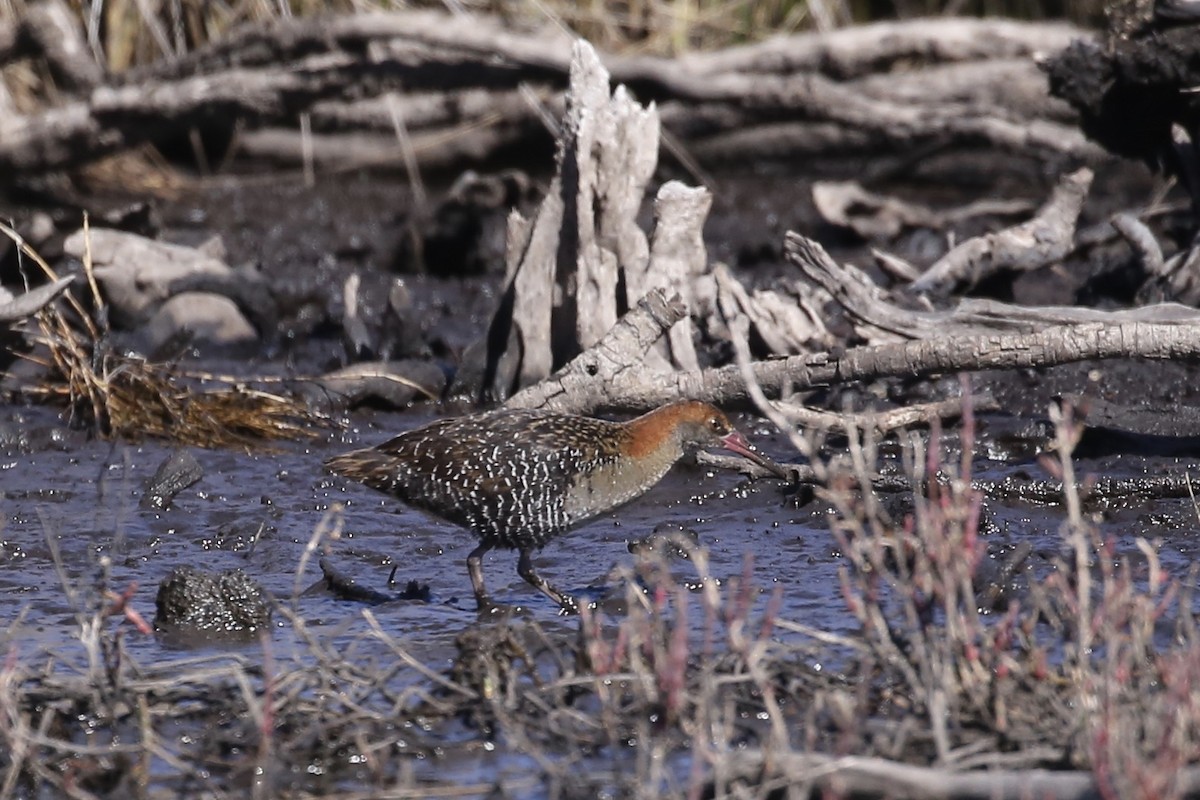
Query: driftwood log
point(1043, 240)
point(469, 87)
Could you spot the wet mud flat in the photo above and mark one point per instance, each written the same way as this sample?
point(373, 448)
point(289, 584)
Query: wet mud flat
point(757, 640)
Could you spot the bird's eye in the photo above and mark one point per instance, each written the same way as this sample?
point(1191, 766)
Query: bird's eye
point(717, 425)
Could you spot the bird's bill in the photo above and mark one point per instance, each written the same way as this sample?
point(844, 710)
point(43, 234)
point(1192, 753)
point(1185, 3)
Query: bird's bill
point(738, 444)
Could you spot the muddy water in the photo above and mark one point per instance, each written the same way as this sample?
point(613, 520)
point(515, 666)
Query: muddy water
point(258, 512)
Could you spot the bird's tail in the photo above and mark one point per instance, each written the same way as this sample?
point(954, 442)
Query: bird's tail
point(357, 465)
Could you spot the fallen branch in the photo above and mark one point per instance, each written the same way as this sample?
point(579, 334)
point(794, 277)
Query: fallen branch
point(882, 421)
point(873, 215)
point(877, 318)
point(1045, 239)
point(1062, 344)
point(14, 309)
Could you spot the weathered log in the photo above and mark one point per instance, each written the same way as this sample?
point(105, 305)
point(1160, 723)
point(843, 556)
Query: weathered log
point(834, 92)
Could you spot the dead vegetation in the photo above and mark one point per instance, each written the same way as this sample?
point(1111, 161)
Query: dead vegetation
point(124, 395)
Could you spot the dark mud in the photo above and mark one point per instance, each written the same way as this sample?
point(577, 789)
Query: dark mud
point(70, 500)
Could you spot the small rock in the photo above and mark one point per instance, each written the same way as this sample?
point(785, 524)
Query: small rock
point(190, 600)
point(136, 273)
point(668, 538)
point(208, 318)
point(179, 471)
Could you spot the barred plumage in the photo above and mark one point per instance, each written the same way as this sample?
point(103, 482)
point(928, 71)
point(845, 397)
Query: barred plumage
point(517, 479)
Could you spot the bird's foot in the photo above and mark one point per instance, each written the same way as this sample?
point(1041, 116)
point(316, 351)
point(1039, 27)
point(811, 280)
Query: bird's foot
point(567, 605)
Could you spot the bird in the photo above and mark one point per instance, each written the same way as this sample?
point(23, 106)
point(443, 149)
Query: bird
point(519, 478)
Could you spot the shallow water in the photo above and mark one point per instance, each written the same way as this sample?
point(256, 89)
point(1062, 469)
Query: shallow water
point(258, 511)
point(63, 493)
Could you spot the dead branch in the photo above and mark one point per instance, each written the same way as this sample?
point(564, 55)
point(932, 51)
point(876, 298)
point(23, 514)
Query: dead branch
point(878, 318)
point(880, 123)
point(785, 323)
point(1142, 240)
point(882, 421)
point(393, 383)
point(866, 49)
point(1178, 279)
point(582, 385)
point(872, 215)
point(836, 93)
point(420, 43)
point(1043, 240)
point(361, 142)
point(1061, 344)
point(1099, 492)
point(15, 309)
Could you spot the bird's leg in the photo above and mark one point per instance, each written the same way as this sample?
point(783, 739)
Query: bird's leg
point(525, 570)
point(475, 570)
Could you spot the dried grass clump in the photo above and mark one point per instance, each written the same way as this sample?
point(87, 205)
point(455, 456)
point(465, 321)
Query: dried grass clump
point(123, 395)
